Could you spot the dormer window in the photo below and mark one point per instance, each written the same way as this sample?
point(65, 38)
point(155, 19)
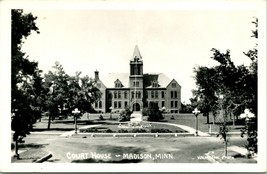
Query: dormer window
point(155, 84)
point(118, 84)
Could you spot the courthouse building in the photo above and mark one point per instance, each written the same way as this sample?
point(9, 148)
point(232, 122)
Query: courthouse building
point(136, 89)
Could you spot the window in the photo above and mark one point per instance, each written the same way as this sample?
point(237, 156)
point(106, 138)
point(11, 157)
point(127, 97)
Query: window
point(119, 104)
point(115, 104)
point(162, 94)
point(125, 104)
point(119, 94)
point(96, 104)
point(175, 94)
point(125, 94)
point(176, 104)
point(162, 103)
point(117, 83)
point(115, 94)
point(174, 85)
point(154, 84)
point(139, 94)
point(171, 94)
point(152, 94)
point(136, 83)
point(100, 104)
point(132, 94)
point(156, 94)
point(171, 104)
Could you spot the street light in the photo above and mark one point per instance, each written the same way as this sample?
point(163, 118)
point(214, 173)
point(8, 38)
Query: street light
point(163, 111)
point(196, 112)
point(110, 112)
point(247, 115)
point(76, 113)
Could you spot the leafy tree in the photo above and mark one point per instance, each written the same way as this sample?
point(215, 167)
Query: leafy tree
point(26, 81)
point(125, 114)
point(56, 86)
point(252, 125)
point(82, 93)
point(236, 84)
point(154, 114)
point(65, 92)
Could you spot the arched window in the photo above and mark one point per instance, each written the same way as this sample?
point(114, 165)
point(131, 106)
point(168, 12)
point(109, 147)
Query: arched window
point(132, 94)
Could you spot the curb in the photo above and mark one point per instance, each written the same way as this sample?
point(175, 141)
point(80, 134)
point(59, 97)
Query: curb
point(136, 134)
point(44, 158)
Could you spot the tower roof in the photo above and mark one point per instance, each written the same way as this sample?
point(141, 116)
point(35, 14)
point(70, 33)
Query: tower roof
point(136, 53)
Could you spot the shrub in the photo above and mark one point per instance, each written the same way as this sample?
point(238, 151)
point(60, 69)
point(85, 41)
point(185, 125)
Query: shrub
point(139, 131)
point(123, 131)
point(125, 114)
point(109, 131)
point(154, 114)
point(161, 130)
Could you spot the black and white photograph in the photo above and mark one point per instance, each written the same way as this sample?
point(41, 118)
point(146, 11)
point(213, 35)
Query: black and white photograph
point(123, 86)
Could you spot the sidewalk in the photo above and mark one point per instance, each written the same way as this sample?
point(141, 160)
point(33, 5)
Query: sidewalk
point(186, 128)
point(235, 154)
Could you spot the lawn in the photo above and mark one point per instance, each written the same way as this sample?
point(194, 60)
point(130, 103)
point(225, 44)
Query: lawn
point(138, 127)
point(90, 119)
point(190, 120)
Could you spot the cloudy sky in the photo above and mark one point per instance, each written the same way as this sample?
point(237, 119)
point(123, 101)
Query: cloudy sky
point(172, 41)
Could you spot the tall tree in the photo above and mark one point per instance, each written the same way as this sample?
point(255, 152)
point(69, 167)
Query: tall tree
point(65, 92)
point(25, 78)
point(56, 84)
point(235, 85)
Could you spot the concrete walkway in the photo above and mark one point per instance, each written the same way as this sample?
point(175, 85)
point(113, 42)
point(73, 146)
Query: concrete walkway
point(136, 116)
point(186, 128)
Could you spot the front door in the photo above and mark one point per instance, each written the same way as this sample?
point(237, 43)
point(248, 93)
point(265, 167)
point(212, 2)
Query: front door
point(136, 107)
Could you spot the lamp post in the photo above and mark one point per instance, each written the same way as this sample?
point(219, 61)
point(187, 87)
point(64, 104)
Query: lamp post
point(110, 112)
point(76, 113)
point(247, 115)
point(163, 111)
point(196, 112)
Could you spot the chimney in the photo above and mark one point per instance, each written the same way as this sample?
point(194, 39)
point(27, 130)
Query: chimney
point(96, 75)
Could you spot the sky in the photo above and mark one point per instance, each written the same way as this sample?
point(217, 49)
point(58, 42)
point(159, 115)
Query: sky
point(171, 41)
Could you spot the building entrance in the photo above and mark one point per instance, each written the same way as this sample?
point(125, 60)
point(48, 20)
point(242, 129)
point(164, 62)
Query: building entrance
point(136, 107)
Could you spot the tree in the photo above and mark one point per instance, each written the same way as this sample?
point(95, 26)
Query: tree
point(56, 85)
point(236, 84)
point(26, 81)
point(154, 114)
point(65, 92)
point(125, 114)
point(252, 126)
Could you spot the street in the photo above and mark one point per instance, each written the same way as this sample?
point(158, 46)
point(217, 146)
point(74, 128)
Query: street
point(78, 148)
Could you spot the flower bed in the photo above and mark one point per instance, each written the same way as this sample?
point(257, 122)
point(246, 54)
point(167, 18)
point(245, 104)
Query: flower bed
point(134, 128)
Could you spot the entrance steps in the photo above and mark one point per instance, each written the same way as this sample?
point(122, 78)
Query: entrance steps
point(136, 116)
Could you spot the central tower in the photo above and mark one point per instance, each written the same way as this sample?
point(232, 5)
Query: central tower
point(136, 81)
